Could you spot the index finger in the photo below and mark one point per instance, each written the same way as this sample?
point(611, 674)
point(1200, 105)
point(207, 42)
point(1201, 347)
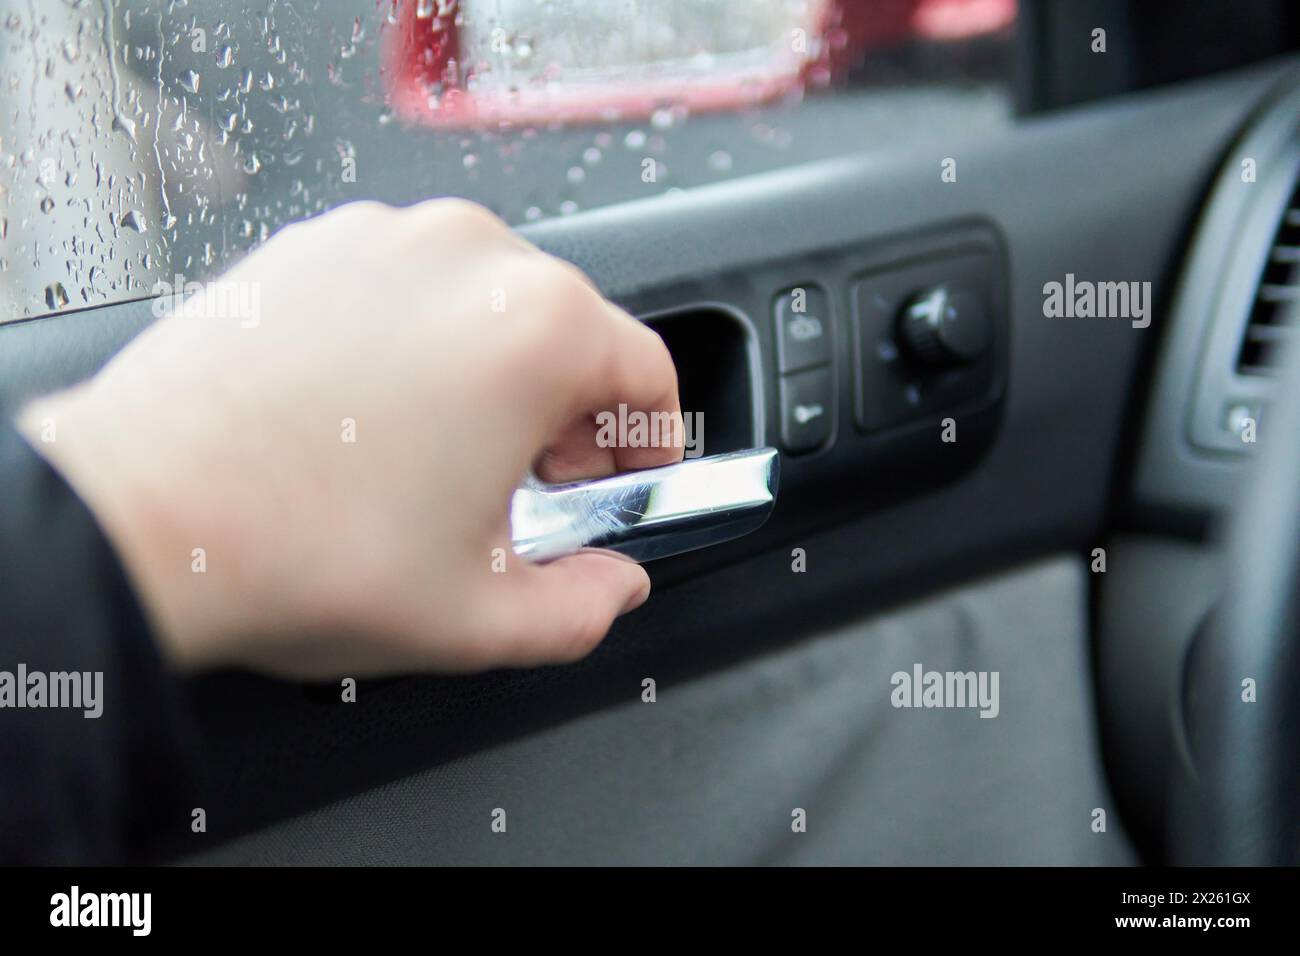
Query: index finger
point(614, 393)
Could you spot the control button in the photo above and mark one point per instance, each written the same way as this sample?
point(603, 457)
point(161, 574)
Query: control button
point(893, 385)
point(944, 326)
point(803, 328)
point(807, 404)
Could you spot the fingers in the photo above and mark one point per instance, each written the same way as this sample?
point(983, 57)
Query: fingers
point(578, 452)
point(558, 612)
point(602, 385)
point(586, 391)
point(618, 401)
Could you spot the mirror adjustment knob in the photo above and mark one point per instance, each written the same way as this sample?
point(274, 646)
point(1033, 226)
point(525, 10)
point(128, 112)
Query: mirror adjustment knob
point(944, 326)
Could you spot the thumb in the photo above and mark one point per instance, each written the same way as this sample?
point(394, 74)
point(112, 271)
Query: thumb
point(561, 610)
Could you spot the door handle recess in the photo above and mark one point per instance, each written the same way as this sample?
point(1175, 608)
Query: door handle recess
point(648, 514)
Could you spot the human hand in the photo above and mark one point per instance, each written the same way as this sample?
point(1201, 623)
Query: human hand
point(215, 452)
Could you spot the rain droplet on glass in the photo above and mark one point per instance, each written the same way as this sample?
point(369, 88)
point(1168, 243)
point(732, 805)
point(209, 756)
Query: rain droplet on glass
point(56, 297)
point(125, 125)
point(720, 161)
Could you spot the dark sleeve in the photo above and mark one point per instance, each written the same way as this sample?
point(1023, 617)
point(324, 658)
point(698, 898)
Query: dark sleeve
point(77, 788)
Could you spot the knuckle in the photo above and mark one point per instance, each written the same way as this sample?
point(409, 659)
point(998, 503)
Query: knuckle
point(348, 216)
point(572, 271)
point(289, 230)
point(657, 356)
point(556, 290)
point(458, 217)
point(359, 207)
point(358, 211)
point(560, 310)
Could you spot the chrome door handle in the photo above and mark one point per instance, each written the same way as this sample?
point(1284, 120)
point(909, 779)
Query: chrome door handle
point(648, 514)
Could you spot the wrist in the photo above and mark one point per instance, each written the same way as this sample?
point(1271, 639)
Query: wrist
point(93, 457)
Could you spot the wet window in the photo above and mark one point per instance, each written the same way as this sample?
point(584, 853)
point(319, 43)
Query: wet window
point(145, 139)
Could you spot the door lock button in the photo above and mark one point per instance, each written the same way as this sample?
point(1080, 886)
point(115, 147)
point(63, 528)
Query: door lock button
point(807, 406)
point(803, 328)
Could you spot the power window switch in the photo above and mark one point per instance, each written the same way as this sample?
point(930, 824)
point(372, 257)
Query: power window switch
point(803, 328)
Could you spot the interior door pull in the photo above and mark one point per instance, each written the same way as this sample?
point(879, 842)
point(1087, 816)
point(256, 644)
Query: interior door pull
point(648, 514)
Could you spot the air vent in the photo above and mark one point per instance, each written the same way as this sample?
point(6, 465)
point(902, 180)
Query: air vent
point(1277, 301)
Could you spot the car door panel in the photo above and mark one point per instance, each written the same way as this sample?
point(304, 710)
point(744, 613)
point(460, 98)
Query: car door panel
point(1104, 191)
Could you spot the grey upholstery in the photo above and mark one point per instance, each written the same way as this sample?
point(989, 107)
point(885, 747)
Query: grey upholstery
point(711, 771)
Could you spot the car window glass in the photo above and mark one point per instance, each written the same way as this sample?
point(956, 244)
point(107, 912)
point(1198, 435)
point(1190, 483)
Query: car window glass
point(142, 140)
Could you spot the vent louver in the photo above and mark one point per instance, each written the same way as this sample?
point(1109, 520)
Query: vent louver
point(1277, 301)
